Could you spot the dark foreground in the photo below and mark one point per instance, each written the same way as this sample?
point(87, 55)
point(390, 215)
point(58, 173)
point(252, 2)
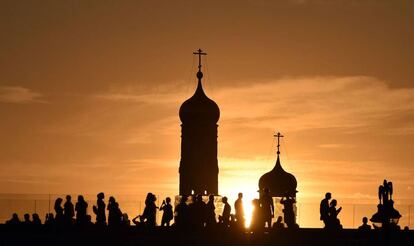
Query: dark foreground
point(172, 236)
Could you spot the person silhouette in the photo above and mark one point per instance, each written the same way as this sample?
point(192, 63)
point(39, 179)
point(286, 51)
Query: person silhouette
point(191, 216)
point(199, 210)
point(88, 221)
point(238, 207)
point(49, 219)
point(257, 222)
point(225, 217)
point(266, 203)
point(81, 208)
point(114, 213)
point(278, 225)
point(125, 220)
point(99, 209)
point(36, 220)
point(211, 212)
point(181, 212)
point(14, 220)
point(364, 227)
point(59, 218)
point(334, 222)
point(288, 211)
point(167, 214)
point(118, 213)
point(324, 208)
point(150, 211)
point(68, 210)
point(26, 220)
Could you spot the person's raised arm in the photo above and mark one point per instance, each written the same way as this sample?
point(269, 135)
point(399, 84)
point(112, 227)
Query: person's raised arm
point(134, 220)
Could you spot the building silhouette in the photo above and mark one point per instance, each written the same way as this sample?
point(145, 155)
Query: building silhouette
point(279, 182)
point(199, 166)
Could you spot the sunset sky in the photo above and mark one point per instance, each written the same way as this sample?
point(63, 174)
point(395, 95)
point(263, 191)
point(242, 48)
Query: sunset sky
point(90, 93)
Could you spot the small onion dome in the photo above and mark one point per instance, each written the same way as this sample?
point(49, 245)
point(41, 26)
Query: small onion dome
point(278, 181)
point(199, 108)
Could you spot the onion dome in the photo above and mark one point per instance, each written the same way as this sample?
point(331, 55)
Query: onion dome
point(278, 181)
point(199, 108)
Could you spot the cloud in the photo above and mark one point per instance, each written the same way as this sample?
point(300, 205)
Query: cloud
point(295, 104)
point(137, 130)
point(333, 146)
point(166, 94)
point(18, 94)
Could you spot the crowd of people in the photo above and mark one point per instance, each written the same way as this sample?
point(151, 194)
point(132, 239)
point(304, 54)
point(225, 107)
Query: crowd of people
point(190, 212)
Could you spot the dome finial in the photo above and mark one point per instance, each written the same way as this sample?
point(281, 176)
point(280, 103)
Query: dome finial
point(200, 53)
point(278, 136)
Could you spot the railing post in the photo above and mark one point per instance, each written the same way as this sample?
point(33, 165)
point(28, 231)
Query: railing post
point(353, 216)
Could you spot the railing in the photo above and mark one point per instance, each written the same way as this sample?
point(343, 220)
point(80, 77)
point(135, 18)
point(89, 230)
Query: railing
point(350, 216)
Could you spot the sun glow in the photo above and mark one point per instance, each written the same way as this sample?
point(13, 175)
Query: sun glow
point(242, 179)
point(248, 196)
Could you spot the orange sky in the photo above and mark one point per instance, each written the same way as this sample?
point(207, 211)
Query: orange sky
point(90, 92)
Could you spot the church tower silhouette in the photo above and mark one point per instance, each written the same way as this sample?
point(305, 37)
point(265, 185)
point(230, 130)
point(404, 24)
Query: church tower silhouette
point(199, 166)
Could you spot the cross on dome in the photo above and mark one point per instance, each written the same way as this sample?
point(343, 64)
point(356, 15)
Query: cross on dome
point(200, 53)
point(278, 136)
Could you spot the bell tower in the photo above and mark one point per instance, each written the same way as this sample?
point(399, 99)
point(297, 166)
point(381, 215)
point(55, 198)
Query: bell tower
point(199, 116)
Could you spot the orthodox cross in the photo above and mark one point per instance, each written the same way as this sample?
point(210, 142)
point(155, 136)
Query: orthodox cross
point(199, 53)
point(278, 136)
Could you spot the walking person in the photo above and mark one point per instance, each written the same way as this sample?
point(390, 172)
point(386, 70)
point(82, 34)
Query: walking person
point(225, 217)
